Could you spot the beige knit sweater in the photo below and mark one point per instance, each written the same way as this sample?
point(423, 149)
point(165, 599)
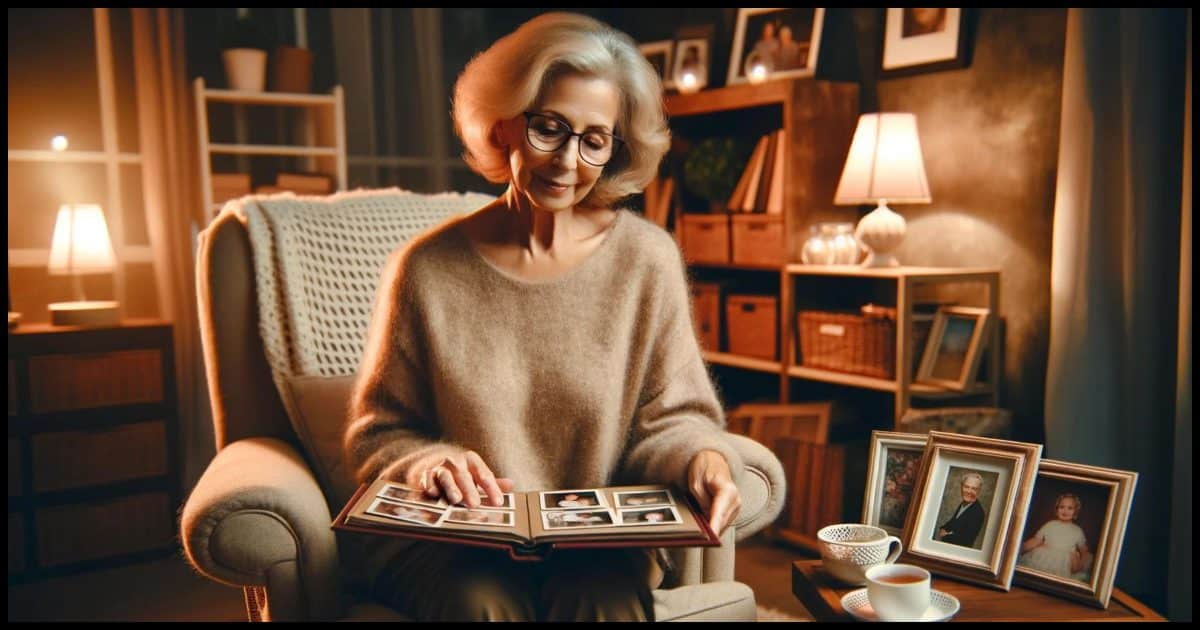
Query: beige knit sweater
point(594, 378)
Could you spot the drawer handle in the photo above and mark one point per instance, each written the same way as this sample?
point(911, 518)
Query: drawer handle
point(757, 228)
point(705, 227)
point(832, 330)
point(748, 308)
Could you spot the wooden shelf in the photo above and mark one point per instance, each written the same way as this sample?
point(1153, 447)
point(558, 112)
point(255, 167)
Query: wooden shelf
point(728, 98)
point(922, 273)
point(739, 361)
point(242, 97)
point(771, 268)
point(272, 149)
point(881, 384)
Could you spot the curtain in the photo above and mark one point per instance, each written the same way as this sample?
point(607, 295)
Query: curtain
point(166, 126)
point(1116, 268)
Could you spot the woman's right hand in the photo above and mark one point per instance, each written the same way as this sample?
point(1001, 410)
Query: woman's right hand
point(461, 478)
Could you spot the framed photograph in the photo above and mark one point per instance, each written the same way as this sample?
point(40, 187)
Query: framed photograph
point(893, 463)
point(691, 58)
point(969, 506)
point(788, 40)
point(955, 345)
point(1072, 538)
point(659, 54)
point(924, 40)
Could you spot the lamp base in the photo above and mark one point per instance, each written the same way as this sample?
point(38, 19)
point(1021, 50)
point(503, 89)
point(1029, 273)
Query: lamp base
point(91, 313)
point(881, 231)
point(881, 259)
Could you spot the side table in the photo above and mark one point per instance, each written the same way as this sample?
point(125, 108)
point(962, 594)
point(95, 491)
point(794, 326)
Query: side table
point(822, 596)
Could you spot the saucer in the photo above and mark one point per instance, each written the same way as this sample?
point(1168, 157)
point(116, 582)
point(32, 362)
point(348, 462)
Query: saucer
point(942, 606)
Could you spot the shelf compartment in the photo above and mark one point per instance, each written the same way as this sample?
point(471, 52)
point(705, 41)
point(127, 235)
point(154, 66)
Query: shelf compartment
point(748, 363)
point(272, 149)
point(242, 97)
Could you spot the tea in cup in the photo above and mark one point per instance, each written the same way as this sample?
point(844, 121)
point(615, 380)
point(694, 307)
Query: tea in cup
point(898, 592)
point(849, 549)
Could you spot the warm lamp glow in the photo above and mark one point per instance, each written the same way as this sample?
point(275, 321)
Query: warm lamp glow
point(758, 68)
point(59, 143)
point(81, 245)
point(688, 82)
point(884, 164)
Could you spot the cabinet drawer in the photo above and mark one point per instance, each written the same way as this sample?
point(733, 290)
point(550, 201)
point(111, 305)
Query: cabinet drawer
point(62, 382)
point(706, 238)
point(16, 543)
point(706, 312)
point(71, 459)
point(750, 320)
point(14, 467)
point(74, 533)
point(758, 240)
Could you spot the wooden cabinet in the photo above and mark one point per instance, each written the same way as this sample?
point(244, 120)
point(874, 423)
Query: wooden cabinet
point(321, 125)
point(837, 288)
point(93, 466)
point(747, 252)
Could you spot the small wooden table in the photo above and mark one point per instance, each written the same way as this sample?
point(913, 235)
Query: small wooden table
point(822, 596)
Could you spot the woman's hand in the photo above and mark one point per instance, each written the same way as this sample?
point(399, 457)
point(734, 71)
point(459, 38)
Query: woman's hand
point(460, 478)
point(711, 482)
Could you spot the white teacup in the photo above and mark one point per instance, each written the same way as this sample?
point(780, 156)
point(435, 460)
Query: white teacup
point(898, 592)
point(849, 549)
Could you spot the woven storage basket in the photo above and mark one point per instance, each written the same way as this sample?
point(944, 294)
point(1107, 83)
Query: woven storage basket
point(847, 342)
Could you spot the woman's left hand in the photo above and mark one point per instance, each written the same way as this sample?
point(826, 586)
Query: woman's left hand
point(711, 482)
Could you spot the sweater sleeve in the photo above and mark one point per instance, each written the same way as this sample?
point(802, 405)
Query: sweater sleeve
point(679, 413)
point(392, 425)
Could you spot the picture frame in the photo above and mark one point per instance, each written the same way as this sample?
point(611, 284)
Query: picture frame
point(924, 40)
point(804, 26)
point(1103, 498)
point(660, 55)
point(971, 499)
point(892, 467)
point(955, 345)
point(691, 55)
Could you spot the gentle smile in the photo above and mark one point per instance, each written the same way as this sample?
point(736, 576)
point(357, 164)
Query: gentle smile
point(552, 184)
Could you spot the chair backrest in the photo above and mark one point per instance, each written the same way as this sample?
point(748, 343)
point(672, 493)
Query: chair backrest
point(286, 285)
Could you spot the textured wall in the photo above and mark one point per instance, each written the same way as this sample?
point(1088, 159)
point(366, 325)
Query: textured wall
point(989, 133)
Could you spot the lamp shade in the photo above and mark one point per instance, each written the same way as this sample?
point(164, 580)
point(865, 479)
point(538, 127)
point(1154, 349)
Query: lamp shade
point(884, 162)
point(81, 243)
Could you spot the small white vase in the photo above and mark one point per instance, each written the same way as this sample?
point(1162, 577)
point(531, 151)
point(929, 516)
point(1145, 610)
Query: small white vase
point(245, 68)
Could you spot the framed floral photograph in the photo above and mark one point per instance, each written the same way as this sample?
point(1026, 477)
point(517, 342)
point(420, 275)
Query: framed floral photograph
point(969, 506)
point(924, 40)
point(787, 41)
point(659, 54)
point(1072, 538)
point(893, 463)
point(954, 347)
point(690, 72)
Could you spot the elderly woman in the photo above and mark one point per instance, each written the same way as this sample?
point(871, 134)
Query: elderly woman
point(543, 341)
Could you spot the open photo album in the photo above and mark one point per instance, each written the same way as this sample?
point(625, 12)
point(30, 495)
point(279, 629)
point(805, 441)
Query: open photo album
point(530, 524)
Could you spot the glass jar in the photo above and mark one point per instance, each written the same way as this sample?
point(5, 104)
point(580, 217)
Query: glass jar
point(843, 245)
point(818, 249)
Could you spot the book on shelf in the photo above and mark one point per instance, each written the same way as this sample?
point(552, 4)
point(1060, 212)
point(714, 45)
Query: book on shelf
point(305, 183)
point(739, 191)
point(774, 203)
point(765, 174)
point(529, 525)
point(756, 170)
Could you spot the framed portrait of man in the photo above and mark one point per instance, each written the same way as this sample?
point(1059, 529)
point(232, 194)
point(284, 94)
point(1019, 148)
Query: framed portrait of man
point(920, 40)
point(969, 505)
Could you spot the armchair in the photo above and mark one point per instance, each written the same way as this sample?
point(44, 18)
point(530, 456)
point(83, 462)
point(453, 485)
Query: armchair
point(280, 374)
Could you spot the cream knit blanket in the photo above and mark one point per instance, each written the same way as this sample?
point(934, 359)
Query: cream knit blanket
point(317, 263)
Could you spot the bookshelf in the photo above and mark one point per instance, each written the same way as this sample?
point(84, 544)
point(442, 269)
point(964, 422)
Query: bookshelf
point(322, 126)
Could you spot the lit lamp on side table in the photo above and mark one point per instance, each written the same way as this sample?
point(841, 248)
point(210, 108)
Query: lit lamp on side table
point(81, 245)
point(884, 164)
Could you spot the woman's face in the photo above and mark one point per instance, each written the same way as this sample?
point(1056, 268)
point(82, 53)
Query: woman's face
point(559, 180)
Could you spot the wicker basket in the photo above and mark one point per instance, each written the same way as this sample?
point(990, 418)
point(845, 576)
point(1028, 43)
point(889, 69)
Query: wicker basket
point(848, 342)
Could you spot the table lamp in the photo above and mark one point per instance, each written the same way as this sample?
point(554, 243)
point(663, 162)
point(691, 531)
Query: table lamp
point(81, 245)
point(884, 164)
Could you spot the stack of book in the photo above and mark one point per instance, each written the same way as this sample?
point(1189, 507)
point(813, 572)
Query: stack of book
point(299, 183)
point(226, 186)
point(760, 188)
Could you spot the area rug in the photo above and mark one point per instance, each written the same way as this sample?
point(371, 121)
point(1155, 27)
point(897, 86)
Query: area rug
point(772, 614)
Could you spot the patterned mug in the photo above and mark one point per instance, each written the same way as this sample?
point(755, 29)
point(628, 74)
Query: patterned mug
point(849, 549)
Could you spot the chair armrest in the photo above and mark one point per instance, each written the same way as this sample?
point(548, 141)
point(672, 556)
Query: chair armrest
point(257, 516)
point(762, 485)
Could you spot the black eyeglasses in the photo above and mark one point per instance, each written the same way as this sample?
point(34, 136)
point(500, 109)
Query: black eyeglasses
point(549, 133)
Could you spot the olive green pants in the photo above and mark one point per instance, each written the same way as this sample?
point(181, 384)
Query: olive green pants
point(442, 582)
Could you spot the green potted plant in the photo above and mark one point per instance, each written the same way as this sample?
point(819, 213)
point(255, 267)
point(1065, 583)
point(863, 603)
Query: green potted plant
point(244, 54)
point(712, 168)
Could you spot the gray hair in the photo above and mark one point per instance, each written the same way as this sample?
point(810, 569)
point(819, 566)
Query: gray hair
point(975, 475)
point(512, 74)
